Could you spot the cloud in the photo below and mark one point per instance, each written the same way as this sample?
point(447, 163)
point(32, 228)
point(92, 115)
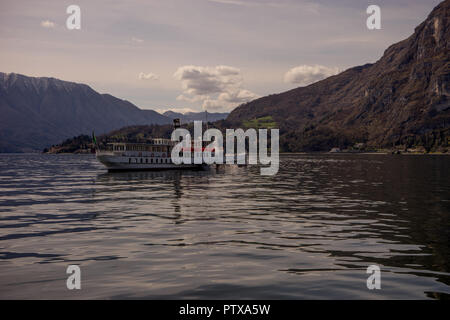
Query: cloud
point(233, 2)
point(148, 76)
point(217, 88)
point(137, 40)
point(304, 75)
point(180, 110)
point(47, 24)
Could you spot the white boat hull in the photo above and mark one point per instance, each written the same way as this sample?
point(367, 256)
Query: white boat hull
point(123, 163)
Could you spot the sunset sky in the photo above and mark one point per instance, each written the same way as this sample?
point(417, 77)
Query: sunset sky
point(188, 55)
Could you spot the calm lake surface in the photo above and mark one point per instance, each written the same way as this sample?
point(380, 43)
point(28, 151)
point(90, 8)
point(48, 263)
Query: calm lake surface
point(310, 232)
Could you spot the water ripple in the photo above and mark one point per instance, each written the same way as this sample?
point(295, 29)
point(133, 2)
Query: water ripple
point(308, 232)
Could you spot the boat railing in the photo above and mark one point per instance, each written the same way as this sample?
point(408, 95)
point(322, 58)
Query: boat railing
point(108, 152)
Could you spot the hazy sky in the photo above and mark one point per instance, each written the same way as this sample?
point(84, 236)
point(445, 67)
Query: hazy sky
point(194, 54)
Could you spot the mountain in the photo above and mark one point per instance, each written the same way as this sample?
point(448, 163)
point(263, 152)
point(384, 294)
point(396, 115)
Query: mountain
point(192, 116)
point(401, 100)
point(39, 112)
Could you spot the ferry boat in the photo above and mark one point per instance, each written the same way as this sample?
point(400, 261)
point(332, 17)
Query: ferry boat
point(153, 155)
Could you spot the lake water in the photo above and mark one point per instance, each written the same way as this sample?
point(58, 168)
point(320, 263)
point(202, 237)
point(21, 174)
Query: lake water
point(310, 232)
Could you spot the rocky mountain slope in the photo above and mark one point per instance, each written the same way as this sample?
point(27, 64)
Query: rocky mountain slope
point(401, 100)
point(38, 112)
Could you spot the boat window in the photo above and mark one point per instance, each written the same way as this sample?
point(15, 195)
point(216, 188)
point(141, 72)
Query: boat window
point(129, 160)
point(141, 160)
point(146, 160)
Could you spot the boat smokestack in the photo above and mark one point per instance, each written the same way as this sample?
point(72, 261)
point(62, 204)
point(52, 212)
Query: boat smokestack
point(176, 123)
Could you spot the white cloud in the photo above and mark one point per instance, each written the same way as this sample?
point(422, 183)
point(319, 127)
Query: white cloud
point(218, 88)
point(181, 110)
point(305, 75)
point(148, 76)
point(234, 2)
point(137, 40)
point(47, 24)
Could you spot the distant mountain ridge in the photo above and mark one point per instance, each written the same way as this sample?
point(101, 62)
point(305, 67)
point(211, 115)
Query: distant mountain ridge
point(37, 112)
point(403, 99)
point(192, 116)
